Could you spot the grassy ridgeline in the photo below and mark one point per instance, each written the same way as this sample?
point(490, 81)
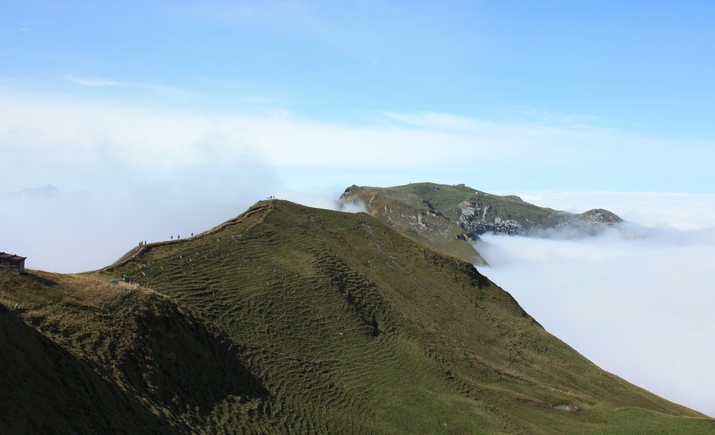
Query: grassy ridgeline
point(297, 320)
point(449, 217)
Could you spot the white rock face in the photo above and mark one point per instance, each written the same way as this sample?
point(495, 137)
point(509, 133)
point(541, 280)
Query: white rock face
point(479, 220)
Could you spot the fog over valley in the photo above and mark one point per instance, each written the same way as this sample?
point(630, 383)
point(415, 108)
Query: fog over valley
point(636, 299)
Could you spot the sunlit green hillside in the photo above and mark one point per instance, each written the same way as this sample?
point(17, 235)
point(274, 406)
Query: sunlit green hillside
point(292, 320)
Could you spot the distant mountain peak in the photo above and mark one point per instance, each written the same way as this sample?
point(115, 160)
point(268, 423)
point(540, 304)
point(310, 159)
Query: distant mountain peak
point(46, 192)
point(460, 213)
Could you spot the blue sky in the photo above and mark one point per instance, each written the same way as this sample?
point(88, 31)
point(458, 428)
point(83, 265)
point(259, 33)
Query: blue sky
point(642, 65)
point(168, 117)
point(638, 64)
point(549, 95)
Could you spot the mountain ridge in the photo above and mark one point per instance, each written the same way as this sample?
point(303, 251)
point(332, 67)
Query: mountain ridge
point(452, 217)
point(333, 323)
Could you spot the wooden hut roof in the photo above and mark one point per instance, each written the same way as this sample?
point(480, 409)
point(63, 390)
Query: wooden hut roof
point(11, 257)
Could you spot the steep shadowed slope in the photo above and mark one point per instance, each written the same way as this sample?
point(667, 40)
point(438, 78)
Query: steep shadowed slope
point(80, 356)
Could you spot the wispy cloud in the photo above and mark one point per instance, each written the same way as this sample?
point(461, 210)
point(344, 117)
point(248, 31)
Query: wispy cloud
point(559, 118)
point(102, 82)
point(441, 121)
point(561, 127)
point(259, 100)
point(92, 81)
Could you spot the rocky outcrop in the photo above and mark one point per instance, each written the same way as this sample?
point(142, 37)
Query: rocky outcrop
point(479, 218)
point(476, 212)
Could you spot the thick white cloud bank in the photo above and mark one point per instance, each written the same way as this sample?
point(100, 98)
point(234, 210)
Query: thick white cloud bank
point(75, 143)
point(636, 300)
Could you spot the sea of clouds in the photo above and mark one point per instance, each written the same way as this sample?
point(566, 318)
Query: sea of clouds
point(637, 300)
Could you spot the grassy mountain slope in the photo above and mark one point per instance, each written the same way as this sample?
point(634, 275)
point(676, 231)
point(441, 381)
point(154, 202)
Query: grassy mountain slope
point(447, 217)
point(80, 356)
point(297, 320)
point(414, 216)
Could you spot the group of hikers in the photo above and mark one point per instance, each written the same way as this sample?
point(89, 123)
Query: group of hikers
point(178, 237)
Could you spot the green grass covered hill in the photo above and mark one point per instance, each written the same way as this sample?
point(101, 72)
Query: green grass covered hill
point(292, 320)
point(449, 217)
